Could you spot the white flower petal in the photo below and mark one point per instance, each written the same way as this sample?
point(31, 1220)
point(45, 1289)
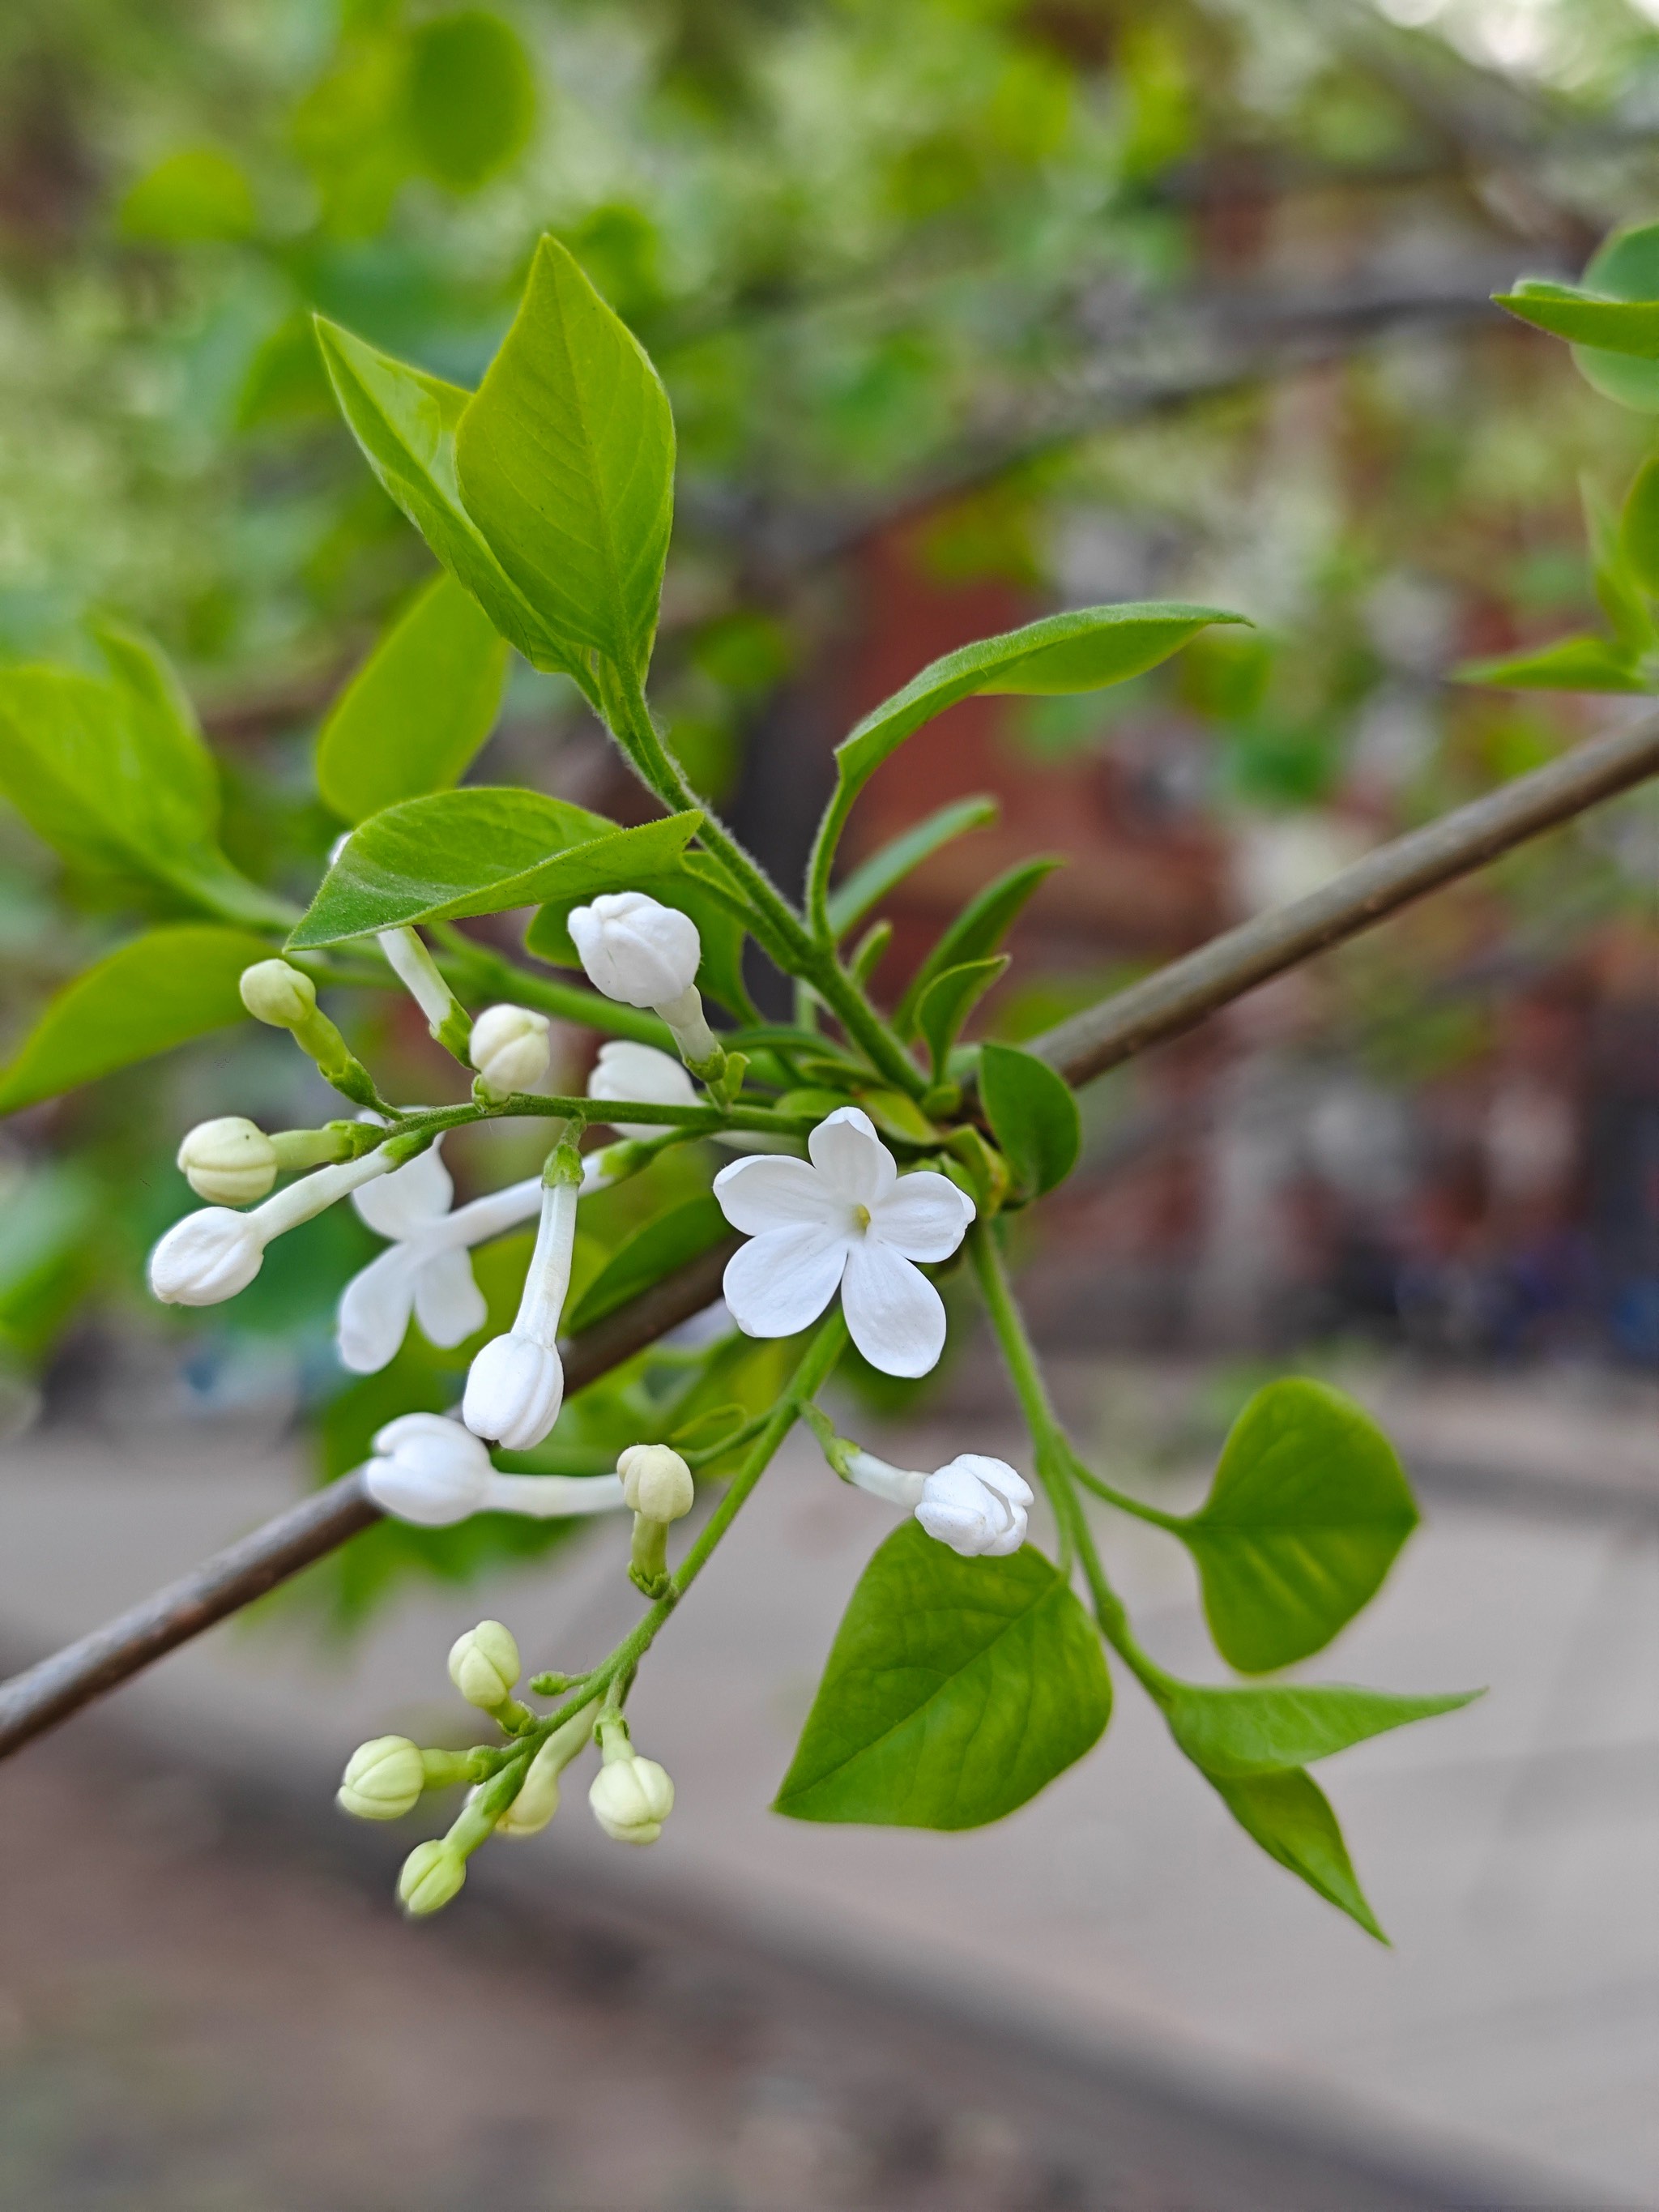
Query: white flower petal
point(628, 1069)
point(924, 1215)
point(851, 1159)
point(995, 1473)
point(895, 1315)
point(374, 1310)
point(760, 1193)
point(410, 1198)
point(514, 1387)
point(449, 1303)
point(783, 1281)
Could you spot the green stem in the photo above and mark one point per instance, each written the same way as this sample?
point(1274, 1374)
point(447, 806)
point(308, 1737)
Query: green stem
point(1121, 1498)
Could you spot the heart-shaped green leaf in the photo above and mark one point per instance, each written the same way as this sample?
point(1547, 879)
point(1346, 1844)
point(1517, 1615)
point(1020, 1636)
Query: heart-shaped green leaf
point(481, 850)
point(956, 1690)
point(417, 710)
point(1307, 1513)
point(1033, 1113)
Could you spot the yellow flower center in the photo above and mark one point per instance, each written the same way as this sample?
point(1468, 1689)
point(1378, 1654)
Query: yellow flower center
point(860, 1217)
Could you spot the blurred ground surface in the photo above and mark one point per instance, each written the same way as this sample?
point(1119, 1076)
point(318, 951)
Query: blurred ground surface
point(1109, 2001)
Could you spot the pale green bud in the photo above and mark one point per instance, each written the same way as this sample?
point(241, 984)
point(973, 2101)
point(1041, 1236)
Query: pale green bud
point(631, 1797)
point(484, 1665)
point(229, 1162)
point(508, 1046)
point(383, 1780)
point(274, 992)
point(432, 1873)
point(656, 1482)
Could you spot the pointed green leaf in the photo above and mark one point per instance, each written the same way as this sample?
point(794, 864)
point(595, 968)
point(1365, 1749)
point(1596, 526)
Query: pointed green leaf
point(976, 932)
point(1307, 1513)
point(1586, 663)
point(1638, 527)
point(1288, 1815)
point(565, 457)
point(948, 1001)
point(955, 1691)
point(1233, 1733)
point(417, 710)
point(1033, 1113)
point(481, 850)
point(405, 422)
point(159, 991)
point(872, 880)
point(1586, 319)
point(683, 1233)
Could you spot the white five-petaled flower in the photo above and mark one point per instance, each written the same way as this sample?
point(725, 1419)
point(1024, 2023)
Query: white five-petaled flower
point(846, 1219)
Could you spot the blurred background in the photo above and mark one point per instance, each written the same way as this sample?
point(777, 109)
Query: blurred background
point(968, 309)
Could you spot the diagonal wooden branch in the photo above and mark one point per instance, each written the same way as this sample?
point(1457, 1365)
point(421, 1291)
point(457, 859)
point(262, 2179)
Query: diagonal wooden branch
point(1175, 999)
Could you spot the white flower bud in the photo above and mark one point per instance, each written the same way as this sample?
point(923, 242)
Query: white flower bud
point(508, 1047)
point(515, 1388)
point(627, 1070)
point(656, 1482)
point(537, 1800)
point(206, 1257)
point(484, 1665)
point(229, 1162)
point(977, 1506)
point(635, 949)
point(631, 1798)
point(383, 1779)
point(427, 1470)
point(432, 1873)
point(274, 992)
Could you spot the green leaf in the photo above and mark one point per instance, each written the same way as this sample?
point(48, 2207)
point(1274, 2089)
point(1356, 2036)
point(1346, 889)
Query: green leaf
point(565, 457)
point(1082, 651)
point(481, 850)
point(1625, 266)
point(114, 775)
point(405, 422)
point(159, 991)
point(197, 193)
point(956, 1690)
point(1288, 1815)
point(1307, 1512)
point(663, 1244)
point(976, 932)
point(1234, 1733)
point(417, 710)
point(1616, 588)
point(719, 972)
point(1033, 1113)
point(1585, 663)
point(872, 880)
point(948, 1001)
point(1586, 319)
point(1638, 527)
point(470, 101)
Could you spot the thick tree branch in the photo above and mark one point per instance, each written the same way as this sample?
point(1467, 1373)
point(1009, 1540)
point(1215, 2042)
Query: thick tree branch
point(1173, 1000)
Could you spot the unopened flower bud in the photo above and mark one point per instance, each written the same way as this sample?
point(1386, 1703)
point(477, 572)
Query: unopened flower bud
point(274, 992)
point(656, 1482)
point(977, 1506)
point(625, 1069)
point(432, 1873)
point(515, 1388)
point(508, 1048)
point(427, 1470)
point(631, 1797)
point(229, 1162)
point(635, 949)
point(206, 1257)
point(383, 1780)
point(484, 1665)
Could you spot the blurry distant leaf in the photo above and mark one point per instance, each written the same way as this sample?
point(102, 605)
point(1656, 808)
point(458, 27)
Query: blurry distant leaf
point(197, 194)
point(1288, 1814)
point(49, 1220)
point(1586, 663)
point(419, 707)
point(158, 992)
point(949, 1000)
point(404, 421)
point(1587, 318)
point(285, 382)
point(1616, 586)
point(976, 932)
point(472, 98)
point(481, 851)
point(1307, 1513)
point(652, 1252)
point(1638, 527)
point(617, 246)
point(1033, 1113)
point(872, 880)
point(565, 457)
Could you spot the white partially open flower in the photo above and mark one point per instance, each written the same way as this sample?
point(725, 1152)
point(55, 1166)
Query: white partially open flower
point(977, 1506)
point(635, 949)
point(627, 1070)
point(206, 1257)
point(427, 1271)
point(846, 1219)
point(427, 1470)
point(509, 1049)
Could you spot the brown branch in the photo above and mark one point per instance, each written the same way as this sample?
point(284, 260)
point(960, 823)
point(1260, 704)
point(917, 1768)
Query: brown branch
point(1178, 996)
point(1181, 995)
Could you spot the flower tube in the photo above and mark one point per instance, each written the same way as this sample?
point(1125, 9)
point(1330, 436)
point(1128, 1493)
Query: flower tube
point(210, 1255)
point(516, 1384)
